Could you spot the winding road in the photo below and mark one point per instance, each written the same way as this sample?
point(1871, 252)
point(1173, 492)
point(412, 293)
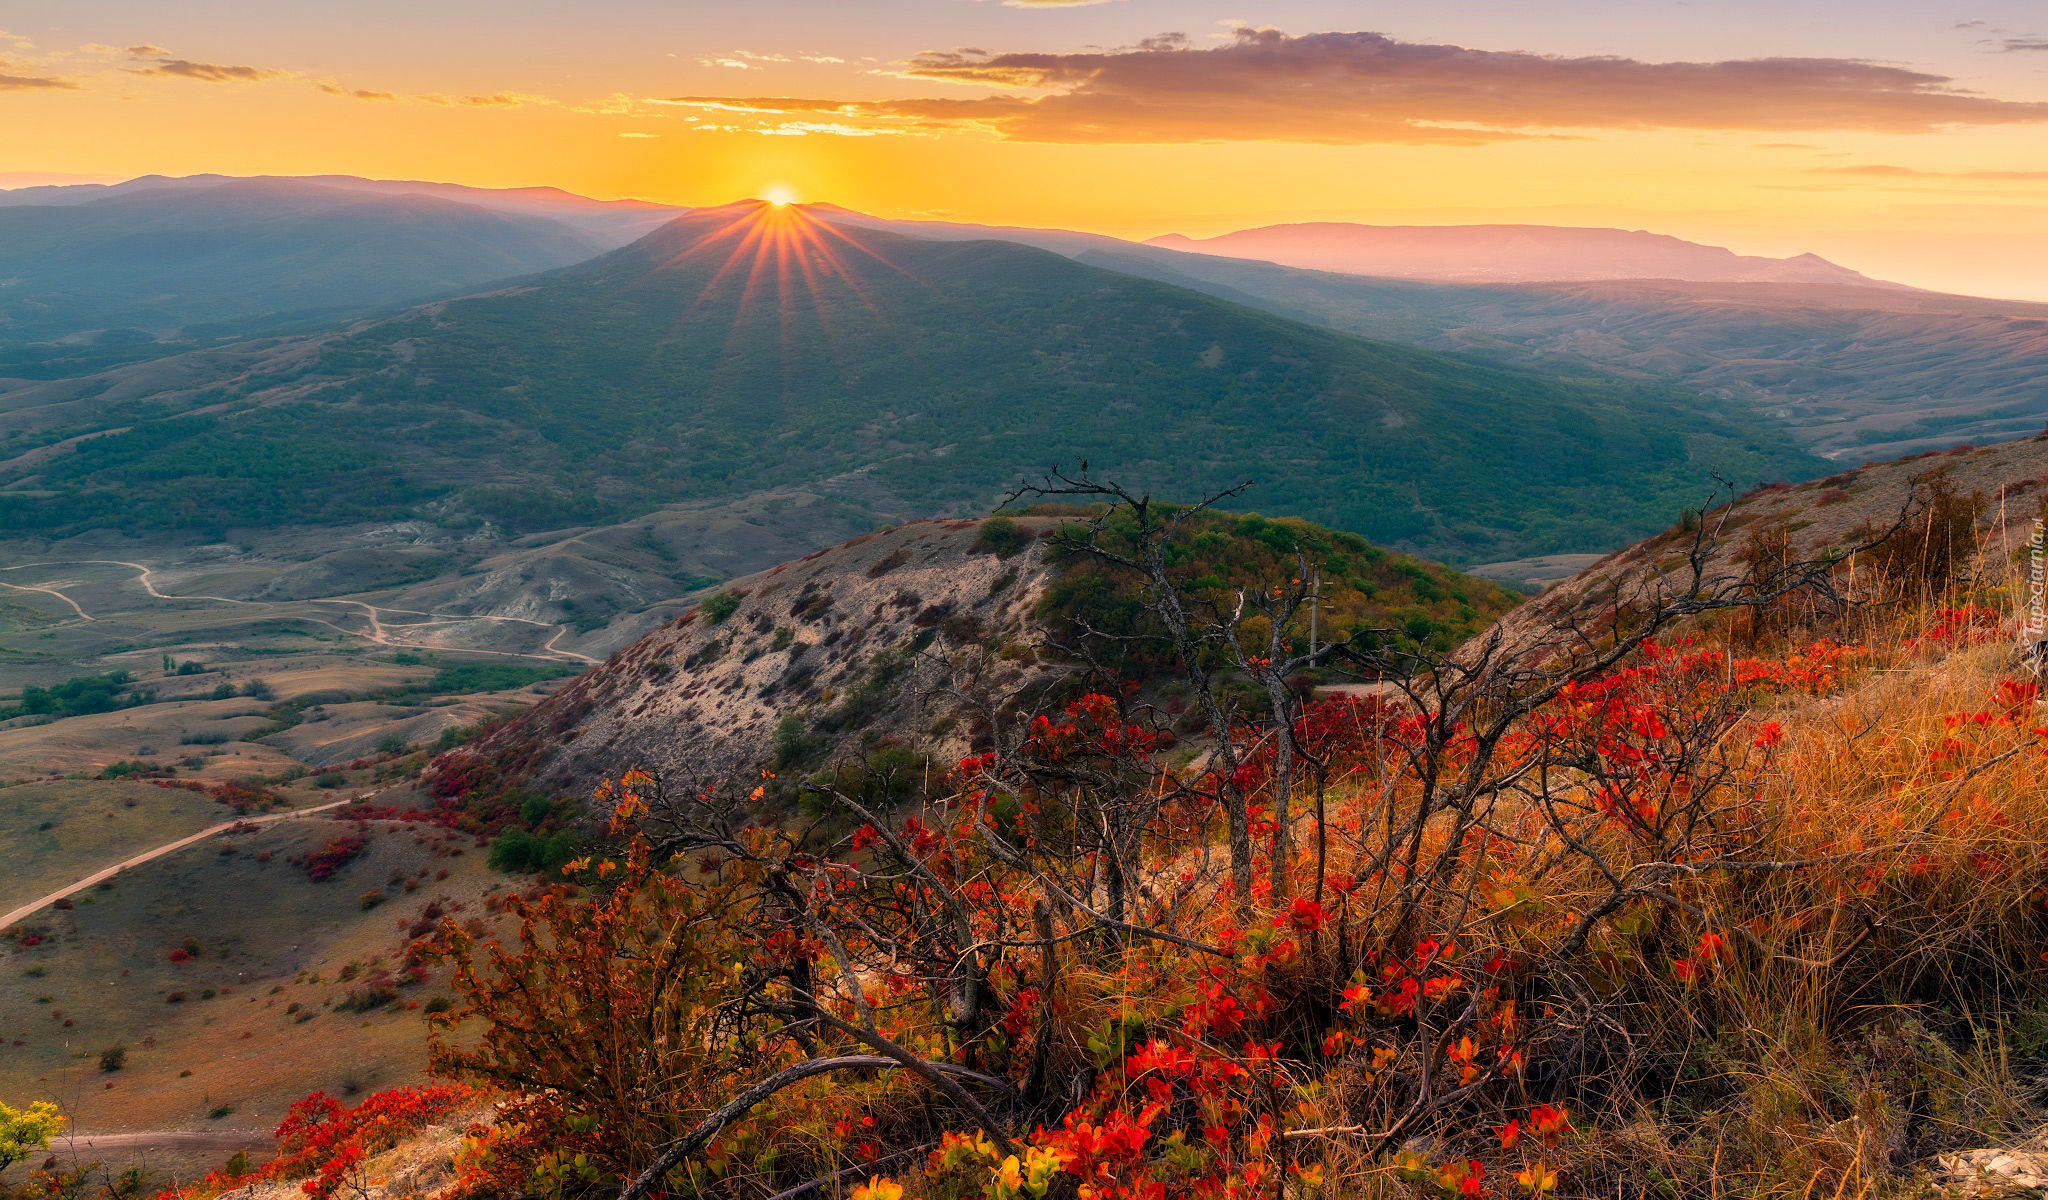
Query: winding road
point(29, 910)
point(377, 633)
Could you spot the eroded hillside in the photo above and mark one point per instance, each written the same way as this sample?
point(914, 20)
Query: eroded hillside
point(894, 638)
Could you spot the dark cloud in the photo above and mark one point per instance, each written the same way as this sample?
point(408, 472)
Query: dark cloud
point(356, 93)
point(2020, 45)
point(208, 72)
point(1343, 88)
point(31, 83)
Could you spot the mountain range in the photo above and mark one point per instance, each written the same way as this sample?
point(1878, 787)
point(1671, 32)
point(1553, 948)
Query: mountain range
point(535, 360)
point(1509, 254)
point(753, 347)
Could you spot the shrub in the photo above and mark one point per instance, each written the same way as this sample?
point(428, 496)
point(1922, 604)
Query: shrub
point(1001, 537)
point(370, 899)
point(321, 864)
point(517, 851)
point(720, 605)
point(439, 1004)
point(373, 997)
point(791, 744)
point(257, 689)
point(113, 1058)
point(392, 743)
point(223, 691)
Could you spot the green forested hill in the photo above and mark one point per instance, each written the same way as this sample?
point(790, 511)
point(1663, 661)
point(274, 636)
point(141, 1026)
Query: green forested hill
point(751, 347)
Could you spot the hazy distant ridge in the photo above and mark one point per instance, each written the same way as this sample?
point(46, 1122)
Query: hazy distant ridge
point(1510, 254)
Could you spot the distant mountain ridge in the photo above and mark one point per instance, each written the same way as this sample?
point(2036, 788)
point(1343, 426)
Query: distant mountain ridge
point(191, 260)
point(614, 222)
point(1510, 254)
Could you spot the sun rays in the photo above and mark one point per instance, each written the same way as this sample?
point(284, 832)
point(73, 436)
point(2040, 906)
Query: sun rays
point(779, 254)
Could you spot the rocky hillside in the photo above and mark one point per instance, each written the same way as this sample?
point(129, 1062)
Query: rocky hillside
point(1999, 491)
point(832, 640)
point(857, 648)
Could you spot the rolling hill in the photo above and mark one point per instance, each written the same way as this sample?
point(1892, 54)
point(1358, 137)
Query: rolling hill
point(752, 347)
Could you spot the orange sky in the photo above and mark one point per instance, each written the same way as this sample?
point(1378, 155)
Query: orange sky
point(1906, 144)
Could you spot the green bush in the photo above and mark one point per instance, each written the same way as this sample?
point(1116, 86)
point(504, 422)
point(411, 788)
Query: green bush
point(720, 605)
point(520, 851)
point(791, 744)
point(78, 696)
point(1001, 537)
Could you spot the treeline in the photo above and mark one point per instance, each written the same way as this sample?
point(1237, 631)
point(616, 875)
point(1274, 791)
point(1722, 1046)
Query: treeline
point(77, 697)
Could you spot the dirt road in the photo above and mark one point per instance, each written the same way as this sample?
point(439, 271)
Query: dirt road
point(29, 910)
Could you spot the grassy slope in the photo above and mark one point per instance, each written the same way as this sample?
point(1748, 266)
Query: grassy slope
point(262, 925)
point(658, 374)
point(91, 825)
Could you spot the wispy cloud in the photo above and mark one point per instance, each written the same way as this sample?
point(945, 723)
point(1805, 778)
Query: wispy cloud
point(2020, 45)
point(1348, 88)
point(356, 93)
point(502, 100)
point(204, 72)
point(1888, 171)
point(33, 83)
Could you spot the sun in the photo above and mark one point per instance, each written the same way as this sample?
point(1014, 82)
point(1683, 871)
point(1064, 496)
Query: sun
point(779, 194)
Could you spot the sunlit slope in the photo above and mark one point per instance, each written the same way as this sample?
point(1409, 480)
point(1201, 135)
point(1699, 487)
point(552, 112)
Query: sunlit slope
point(753, 346)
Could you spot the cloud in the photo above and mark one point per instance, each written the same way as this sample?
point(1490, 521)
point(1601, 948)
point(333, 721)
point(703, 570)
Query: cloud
point(760, 104)
point(1052, 3)
point(356, 93)
point(1784, 146)
point(501, 100)
point(1352, 88)
point(1886, 170)
point(147, 51)
point(32, 83)
point(2019, 45)
point(203, 72)
point(640, 135)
